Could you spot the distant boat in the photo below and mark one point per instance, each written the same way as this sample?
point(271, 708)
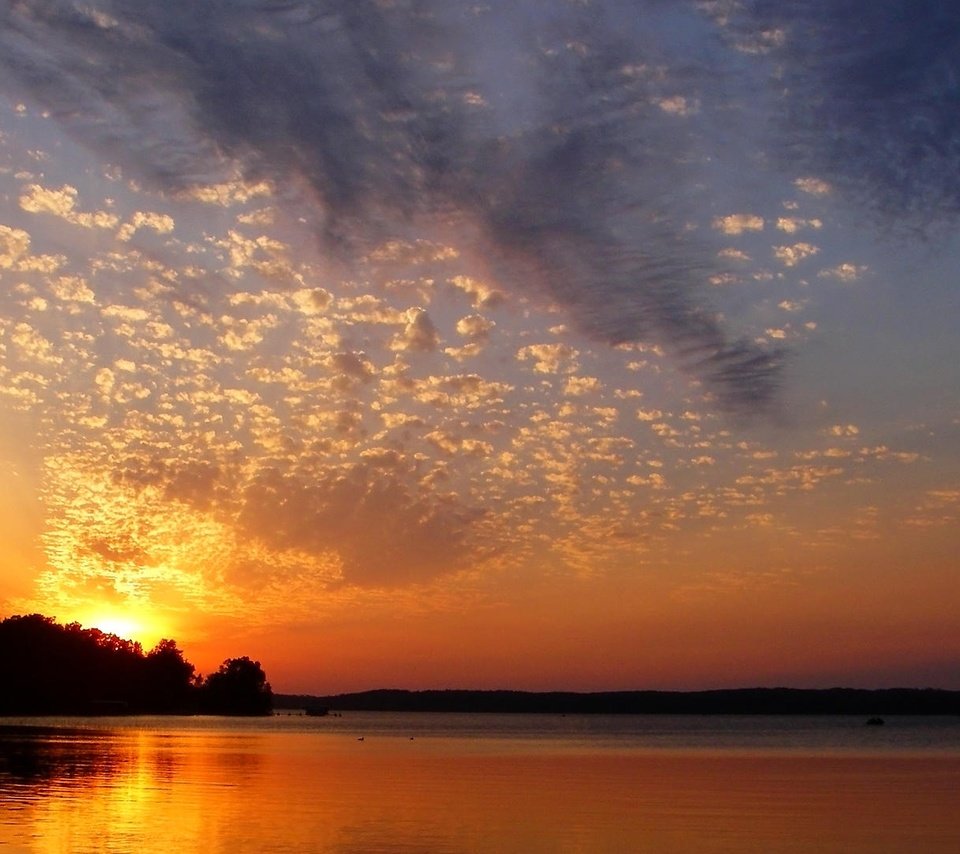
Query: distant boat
point(875, 722)
point(316, 711)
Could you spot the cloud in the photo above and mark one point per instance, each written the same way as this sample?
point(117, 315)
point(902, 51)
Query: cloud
point(813, 186)
point(160, 223)
point(352, 367)
point(312, 301)
point(738, 223)
point(14, 244)
point(549, 358)
point(872, 100)
point(467, 392)
point(577, 386)
point(845, 272)
point(385, 531)
point(481, 294)
point(33, 347)
point(790, 256)
point(678, 105)
point(548, 140)
point(418, 336)
point(62, 203)
point(791, 224)
point(72, 289)
point(475, 327)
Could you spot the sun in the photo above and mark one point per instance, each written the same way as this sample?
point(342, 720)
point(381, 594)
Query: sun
point(128, 625)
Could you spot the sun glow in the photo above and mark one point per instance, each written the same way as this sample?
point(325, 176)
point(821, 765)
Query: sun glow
point(133, 627)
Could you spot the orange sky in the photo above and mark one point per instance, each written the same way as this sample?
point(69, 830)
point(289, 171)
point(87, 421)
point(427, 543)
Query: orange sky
point(555, 417)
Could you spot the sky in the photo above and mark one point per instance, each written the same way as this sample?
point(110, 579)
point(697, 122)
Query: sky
point(581, 345)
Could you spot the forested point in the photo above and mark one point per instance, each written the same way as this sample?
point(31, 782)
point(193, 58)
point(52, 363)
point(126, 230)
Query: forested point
point(52, 669)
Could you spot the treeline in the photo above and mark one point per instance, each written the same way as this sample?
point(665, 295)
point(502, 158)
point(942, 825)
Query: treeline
point(52, 669)
point(741, 701)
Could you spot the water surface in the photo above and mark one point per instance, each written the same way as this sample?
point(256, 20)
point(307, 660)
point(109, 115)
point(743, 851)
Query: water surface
point(459, 783)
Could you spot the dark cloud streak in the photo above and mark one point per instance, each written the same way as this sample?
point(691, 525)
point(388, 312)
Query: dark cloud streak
point(871, 99)
point(390, 112)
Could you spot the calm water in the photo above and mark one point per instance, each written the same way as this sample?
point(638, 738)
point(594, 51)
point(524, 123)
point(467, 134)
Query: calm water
point(455, 783)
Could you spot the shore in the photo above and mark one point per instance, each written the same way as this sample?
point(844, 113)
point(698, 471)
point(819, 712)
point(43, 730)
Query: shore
point(741, 701)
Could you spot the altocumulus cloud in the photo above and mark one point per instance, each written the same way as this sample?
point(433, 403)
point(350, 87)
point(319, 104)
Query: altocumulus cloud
point(545, 137)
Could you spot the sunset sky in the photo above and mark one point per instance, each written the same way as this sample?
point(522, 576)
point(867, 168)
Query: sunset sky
point(584, 344)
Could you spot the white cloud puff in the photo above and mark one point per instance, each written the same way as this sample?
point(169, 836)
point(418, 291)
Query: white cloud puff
point(790, 256)
point(738, 223)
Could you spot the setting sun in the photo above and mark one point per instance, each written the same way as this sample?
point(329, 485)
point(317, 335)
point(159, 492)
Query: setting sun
point(133, 627)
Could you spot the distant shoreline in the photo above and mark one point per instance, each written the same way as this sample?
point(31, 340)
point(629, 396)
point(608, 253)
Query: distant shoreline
point(740, 701)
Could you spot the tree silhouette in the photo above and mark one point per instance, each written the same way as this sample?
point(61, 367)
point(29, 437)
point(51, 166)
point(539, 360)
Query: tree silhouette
point(170, 678)
point(47, 668)
point(239, 687)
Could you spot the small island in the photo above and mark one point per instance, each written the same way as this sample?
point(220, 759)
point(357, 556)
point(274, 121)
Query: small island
point(52, 669)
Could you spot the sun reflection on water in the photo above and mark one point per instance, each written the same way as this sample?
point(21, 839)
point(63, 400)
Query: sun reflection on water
point(219, 787)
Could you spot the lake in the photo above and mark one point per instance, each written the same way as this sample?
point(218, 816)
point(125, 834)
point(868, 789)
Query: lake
point(379, 782)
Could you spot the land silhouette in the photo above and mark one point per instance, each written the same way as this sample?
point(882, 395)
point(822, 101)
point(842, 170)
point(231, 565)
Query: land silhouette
point(741, 701)
point(52, 669)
